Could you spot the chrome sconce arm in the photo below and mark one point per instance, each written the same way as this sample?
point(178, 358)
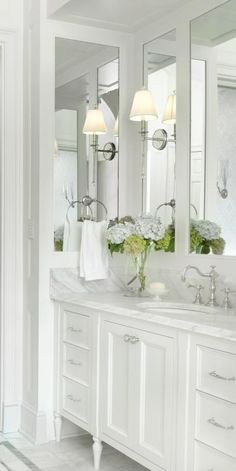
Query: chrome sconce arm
point(223, 173)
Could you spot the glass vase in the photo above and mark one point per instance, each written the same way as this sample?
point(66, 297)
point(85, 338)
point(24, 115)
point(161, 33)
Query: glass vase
point(140, 277)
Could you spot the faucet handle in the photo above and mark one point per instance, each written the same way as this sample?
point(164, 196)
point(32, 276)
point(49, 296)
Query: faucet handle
point(226, 301)
point(213, 271)
point(198, 297)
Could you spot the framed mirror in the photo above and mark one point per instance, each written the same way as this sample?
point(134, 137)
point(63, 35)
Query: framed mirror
point(86, 180)
point(160, 79)
point(213, 136)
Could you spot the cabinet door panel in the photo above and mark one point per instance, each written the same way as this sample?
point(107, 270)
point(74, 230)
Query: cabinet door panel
point(116, 380)
point(156, 383)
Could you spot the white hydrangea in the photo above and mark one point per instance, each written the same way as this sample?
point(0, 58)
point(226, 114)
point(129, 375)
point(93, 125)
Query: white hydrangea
point(149, 228)
point(208, 230)
point(117, 233)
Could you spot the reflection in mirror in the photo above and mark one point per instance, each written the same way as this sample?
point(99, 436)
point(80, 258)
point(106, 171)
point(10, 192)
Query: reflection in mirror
point(160, 75)
point(107, 168)
point(213, 141)
point(84, 186)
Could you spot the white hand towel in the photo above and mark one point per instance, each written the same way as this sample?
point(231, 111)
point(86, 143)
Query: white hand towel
point(72, 236)
point(93, 251)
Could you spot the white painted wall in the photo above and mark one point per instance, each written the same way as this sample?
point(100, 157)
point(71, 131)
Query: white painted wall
point(11, 15)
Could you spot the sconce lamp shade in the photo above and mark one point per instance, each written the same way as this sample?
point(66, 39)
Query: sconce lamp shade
point(169, 116)
point(94, 123)
point(143, 107)
point(116, 128)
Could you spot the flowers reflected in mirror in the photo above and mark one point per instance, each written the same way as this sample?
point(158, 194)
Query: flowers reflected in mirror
point(205, 238)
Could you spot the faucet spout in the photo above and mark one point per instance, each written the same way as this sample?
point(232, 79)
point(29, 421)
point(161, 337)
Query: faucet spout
point(192, 267)
point(212, 275)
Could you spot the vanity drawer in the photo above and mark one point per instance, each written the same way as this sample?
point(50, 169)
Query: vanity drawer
point(75, 399)
point(76, 328)
point(76, 363)
point(216, 423)
point(208, 459)
point(217, 373)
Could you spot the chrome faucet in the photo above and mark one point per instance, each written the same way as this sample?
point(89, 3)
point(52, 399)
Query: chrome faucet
point(212, 275)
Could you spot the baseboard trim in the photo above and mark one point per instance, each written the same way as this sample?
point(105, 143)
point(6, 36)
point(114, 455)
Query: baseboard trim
point(38, 426)
point(11, 417)
point(33, 424)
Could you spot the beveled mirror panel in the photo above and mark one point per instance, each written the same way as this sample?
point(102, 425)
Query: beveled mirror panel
point(213, 131)
point(86, 77)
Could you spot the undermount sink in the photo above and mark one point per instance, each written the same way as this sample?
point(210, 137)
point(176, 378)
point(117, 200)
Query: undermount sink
point(182, 308)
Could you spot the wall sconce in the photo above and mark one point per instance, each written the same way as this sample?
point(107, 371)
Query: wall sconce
point(223, 175)
point(160, 137)
point(95, 125)
point(143, 109)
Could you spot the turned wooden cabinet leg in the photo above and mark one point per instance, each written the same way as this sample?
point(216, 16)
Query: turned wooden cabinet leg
point(97, 451)
point(57, 425)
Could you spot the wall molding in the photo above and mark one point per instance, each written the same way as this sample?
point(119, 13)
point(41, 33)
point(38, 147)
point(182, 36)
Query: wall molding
point(11, 417)
point(11, 229)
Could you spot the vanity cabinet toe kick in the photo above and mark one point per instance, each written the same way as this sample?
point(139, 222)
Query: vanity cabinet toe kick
point(164, 397)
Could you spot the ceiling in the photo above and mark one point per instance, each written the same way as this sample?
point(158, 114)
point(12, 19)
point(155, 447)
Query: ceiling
point(69, 52)
point(216, 26)
point(123, 15)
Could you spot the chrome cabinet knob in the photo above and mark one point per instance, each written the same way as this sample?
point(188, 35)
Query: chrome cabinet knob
point(126, 338)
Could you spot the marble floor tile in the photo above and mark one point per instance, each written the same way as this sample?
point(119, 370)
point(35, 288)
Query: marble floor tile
point(74, 454)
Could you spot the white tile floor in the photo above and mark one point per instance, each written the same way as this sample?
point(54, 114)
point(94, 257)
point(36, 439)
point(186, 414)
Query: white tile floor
point(73, 454)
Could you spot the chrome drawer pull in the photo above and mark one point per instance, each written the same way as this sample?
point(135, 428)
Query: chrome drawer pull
point(134, 339)
point(74, 363)
point(215, 375)
point(72, 329)
point(127, 338)
point(212, 421)
point(71, 398)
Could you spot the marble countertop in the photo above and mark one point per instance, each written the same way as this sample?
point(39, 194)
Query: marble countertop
point(216, 323)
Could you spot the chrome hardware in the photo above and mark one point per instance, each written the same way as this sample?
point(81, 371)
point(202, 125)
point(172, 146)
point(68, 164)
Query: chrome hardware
point(212, 421)
point(71, 398)
point(74, 363)
point(212, 275)
point(226, 301)
point(130, 338)
point(215, 375)
point(72, 329)
point(198, 297)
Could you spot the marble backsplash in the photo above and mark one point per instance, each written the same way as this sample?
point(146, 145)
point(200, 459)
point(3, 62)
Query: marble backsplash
point(67, 280)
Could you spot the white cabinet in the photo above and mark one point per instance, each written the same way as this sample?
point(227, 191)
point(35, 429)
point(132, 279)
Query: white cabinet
point(74, 375)
point(138, 388)
point(165, 397)
point(212, 410)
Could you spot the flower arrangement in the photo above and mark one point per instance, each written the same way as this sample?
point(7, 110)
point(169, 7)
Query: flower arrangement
point(136, 237)
point(205, 237)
